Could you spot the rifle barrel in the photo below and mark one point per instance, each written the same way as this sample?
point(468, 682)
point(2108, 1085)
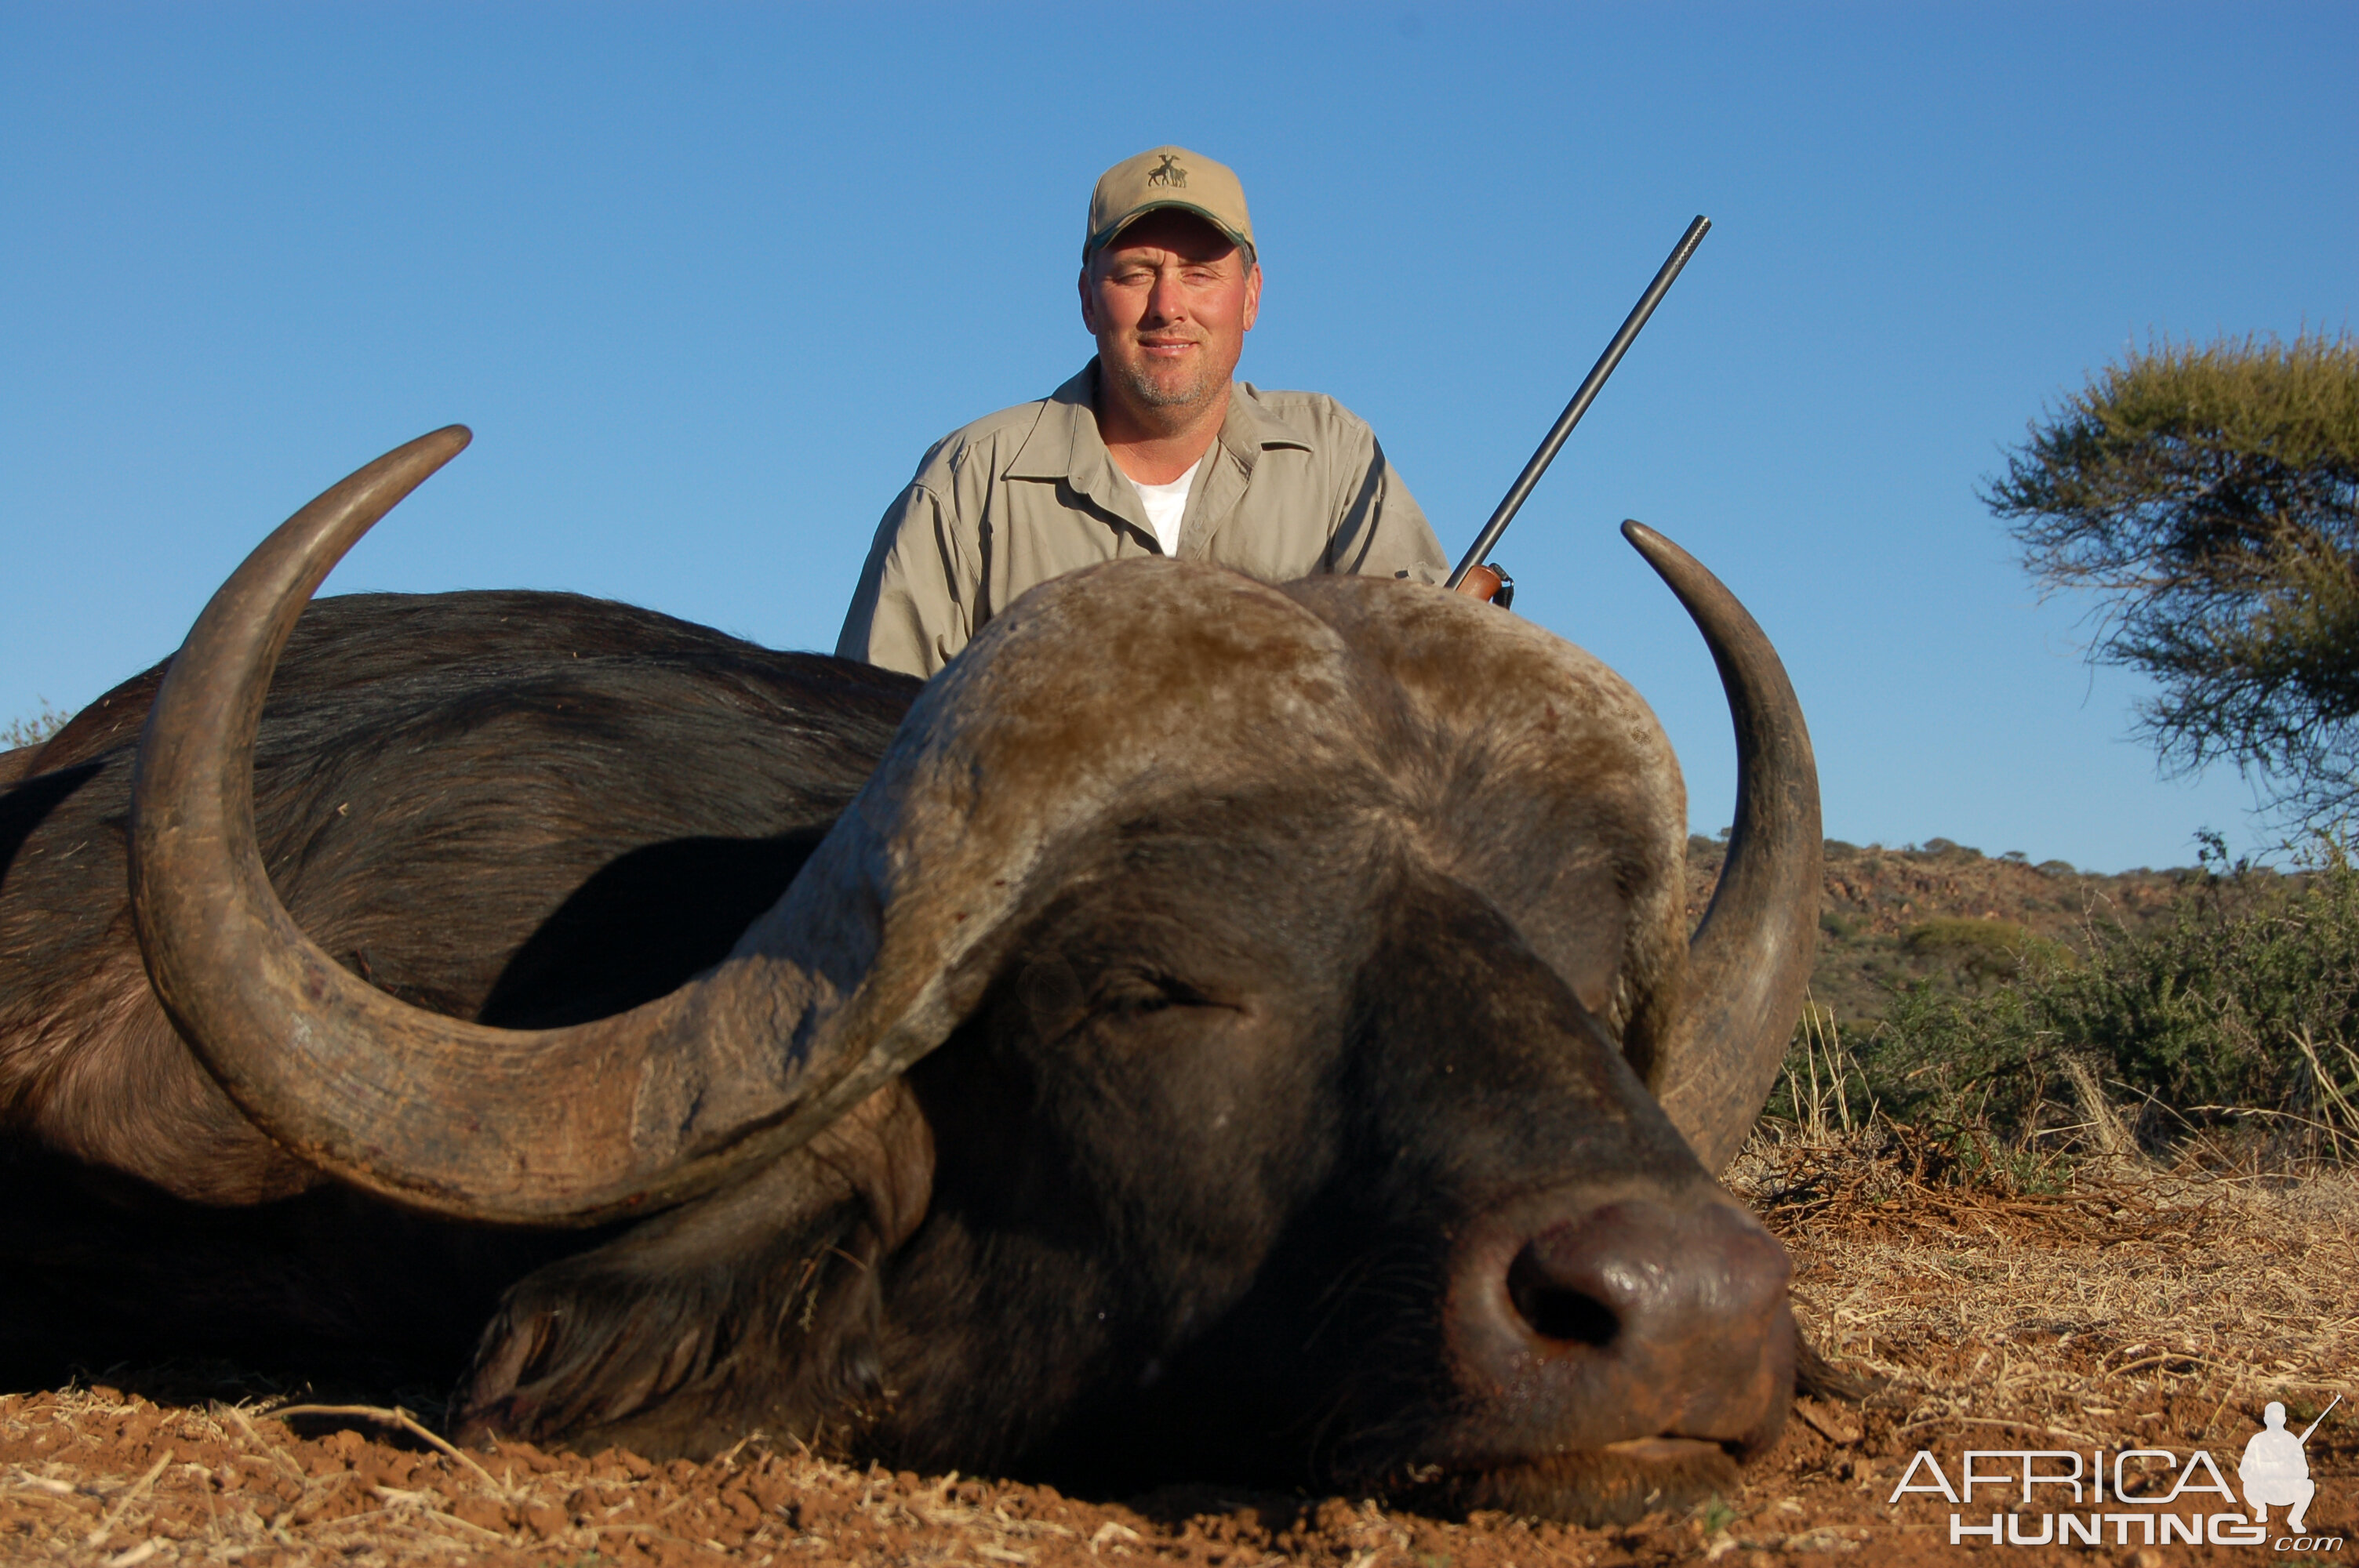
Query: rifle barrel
point(1589, 386)
point(2321, 1416)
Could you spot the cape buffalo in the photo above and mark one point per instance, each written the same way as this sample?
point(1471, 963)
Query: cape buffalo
point(1278, 1059)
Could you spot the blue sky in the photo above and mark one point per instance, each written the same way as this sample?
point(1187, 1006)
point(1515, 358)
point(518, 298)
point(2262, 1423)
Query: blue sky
point(707, 279)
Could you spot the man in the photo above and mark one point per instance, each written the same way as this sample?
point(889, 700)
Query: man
point(1152, 449)
point(2275, 1471)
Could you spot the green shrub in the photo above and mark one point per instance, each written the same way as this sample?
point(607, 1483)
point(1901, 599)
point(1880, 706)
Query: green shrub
point(1976, 950)
point(2243, 1013)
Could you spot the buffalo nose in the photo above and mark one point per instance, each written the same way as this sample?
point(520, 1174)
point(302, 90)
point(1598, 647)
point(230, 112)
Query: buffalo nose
point(1635, 1317)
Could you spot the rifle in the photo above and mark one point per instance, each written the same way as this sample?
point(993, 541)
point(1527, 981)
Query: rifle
point(2321, 1416)
point(1589, 386)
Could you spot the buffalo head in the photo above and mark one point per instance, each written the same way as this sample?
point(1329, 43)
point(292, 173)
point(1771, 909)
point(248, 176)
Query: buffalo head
point(1281, 1057)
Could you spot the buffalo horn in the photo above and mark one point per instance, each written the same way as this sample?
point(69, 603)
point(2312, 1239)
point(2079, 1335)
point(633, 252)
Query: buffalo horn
point(566, 1126)
point(1750, 957)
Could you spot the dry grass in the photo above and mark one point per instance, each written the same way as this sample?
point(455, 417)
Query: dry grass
point(2129, 1293)
point(96, 1476)
point(229, 1484)
point(33, 730)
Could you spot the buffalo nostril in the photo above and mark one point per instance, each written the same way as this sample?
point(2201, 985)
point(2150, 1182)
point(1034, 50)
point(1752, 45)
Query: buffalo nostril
point(1555, 1310)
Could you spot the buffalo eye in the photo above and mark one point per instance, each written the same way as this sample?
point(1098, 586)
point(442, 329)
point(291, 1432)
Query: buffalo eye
point(1134, 993)
point(1060, 1001)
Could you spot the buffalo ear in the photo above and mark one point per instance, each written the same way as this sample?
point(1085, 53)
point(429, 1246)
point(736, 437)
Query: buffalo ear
point(758, 1305)
point(728, 1312)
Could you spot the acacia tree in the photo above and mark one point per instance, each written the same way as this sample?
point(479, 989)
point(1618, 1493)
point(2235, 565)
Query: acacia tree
point(2208, 495)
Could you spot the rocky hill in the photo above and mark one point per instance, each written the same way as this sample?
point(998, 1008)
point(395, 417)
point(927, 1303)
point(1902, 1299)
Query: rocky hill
point(1940, 911)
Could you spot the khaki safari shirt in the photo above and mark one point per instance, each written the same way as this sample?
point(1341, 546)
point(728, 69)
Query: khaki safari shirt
point(1294, 485)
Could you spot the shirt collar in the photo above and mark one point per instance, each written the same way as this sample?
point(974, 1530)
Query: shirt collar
point(1253, 426)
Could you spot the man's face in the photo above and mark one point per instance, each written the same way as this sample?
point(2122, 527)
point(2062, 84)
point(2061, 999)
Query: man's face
point(1170, 302)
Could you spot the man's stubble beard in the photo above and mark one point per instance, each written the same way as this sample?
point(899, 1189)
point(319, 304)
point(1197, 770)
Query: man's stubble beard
point(1195, 393)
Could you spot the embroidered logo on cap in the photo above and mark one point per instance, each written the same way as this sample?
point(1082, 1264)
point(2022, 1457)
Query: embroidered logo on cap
point(1168, 173)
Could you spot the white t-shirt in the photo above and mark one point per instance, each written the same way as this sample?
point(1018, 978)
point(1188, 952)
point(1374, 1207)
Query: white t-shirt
point(1164, 504)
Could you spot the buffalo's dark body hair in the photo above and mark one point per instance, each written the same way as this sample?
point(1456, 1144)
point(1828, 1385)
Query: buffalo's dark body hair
point(523, 808)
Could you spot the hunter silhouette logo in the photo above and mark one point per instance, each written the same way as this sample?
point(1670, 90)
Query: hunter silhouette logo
point(1169, 173)
point(2128, 1497)
point(2275, 1470)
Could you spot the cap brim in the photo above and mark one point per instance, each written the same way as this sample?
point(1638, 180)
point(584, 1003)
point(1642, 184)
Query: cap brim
point(1114, 231)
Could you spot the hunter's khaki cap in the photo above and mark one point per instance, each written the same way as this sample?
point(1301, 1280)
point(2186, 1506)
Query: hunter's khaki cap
point(1167, 176)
